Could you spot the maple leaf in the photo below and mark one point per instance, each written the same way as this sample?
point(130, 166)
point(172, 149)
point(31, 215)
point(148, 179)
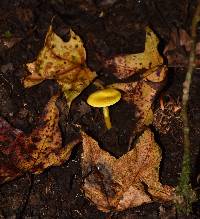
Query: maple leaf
point(35, 152)
point(141, 94)
point(63, 61)
point(129, 64)
point(118, 184)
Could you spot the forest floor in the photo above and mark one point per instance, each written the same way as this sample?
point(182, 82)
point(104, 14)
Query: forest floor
point(106, 28)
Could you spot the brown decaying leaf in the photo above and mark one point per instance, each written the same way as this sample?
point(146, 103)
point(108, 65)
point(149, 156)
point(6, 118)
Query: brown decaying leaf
point(129, 64)
point(178, 48)
point(43, 148)
point(118, 184)
point(63, 61)
point(141, 94)
point(178, 38)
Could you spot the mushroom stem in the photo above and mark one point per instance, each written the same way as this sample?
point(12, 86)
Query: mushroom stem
point(107, 117)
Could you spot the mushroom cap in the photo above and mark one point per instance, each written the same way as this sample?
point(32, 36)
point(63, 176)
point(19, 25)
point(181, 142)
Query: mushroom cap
point(104, 98)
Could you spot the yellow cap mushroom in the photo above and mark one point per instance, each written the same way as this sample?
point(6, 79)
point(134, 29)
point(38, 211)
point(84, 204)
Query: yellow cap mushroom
point(104, 98)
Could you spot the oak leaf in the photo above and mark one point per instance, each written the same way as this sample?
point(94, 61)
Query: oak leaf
point(129, 64)
point(35, 152)
point(118, 184)
point(63, 61)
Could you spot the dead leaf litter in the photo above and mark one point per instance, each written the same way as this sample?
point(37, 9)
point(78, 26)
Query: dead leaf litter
point(109, 183)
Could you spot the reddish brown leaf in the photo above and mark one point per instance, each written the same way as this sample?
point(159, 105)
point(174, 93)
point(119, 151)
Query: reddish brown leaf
point(178, 48)
point(141, 95)
point(35, 152)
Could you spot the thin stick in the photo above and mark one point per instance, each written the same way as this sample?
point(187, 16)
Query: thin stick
point(184, 188)
point(187, 82)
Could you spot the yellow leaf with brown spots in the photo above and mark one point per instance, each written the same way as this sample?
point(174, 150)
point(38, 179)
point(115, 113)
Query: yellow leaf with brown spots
point(35, 152)
point(63, 61)
point(129, 64)
point(118, 184)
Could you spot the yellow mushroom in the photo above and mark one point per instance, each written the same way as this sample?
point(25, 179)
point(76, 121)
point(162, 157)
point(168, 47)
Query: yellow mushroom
point(104, 98)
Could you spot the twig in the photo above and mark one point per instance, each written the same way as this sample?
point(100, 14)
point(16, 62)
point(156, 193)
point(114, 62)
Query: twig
point(184, 189)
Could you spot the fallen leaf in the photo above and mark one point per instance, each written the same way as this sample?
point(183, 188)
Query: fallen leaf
point(35, 152)
point(118, 184)
point(178, 48)
point(127, 65)
point(141, 95)
point(178, 38)
point(63, 61)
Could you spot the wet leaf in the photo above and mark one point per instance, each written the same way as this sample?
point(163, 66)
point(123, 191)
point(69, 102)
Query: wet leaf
point(63, 61)
point(35, 152)
point(127, 65)
point(141, 94)
point(129, 181)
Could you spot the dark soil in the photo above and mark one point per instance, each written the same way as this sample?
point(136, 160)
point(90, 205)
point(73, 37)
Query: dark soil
point(107, 27)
